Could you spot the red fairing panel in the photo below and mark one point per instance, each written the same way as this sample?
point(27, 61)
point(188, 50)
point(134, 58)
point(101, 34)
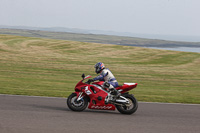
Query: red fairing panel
point(97, 99)
point(126, 87)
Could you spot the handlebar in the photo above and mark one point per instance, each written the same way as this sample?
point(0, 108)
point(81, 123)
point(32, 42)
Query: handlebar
point(89, 81)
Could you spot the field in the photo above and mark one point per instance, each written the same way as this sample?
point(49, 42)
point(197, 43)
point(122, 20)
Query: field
point(47, 67)
point(94, 38)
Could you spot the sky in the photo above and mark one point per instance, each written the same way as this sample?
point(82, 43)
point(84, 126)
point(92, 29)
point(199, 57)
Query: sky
point(161, 17)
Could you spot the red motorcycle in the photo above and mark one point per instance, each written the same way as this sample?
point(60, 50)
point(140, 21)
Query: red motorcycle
point(100, 98)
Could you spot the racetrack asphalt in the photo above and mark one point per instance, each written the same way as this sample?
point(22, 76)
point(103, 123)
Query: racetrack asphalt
point(24, 114)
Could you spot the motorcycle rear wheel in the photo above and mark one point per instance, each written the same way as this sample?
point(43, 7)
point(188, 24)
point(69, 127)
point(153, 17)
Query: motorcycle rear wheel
point(75, 105)
point(128, 108)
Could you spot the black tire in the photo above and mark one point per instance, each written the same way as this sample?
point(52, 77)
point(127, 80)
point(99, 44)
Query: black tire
point(74, 105)
point(128, 108)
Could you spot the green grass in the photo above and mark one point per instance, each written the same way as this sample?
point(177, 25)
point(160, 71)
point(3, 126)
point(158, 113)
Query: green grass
point(46, 67)
point(97, 38)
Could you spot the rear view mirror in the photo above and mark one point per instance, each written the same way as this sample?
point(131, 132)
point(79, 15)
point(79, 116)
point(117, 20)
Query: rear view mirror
point(83, 76)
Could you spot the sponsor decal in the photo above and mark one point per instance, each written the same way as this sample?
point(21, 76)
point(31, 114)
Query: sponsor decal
point(101, 107)
point(88, 92)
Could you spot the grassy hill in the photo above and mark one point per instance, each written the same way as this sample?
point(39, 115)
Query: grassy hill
point(47, 67)
point(104, 39)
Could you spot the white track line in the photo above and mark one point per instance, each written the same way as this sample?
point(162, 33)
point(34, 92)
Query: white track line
point(172, 103)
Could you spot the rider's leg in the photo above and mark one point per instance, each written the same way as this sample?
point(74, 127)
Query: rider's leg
point(114, 92)
point(112, 88)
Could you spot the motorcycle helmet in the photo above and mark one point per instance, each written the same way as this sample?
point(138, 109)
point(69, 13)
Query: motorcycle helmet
point(99, 67)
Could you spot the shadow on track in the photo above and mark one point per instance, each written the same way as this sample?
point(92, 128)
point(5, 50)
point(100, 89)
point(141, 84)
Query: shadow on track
point(100, 111)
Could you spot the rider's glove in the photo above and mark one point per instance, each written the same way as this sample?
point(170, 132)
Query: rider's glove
point(90, 80)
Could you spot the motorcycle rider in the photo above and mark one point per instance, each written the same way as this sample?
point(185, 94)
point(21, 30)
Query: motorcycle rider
point(107, 76)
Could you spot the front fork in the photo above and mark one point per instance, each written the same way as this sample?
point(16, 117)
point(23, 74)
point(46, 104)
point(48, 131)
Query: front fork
point(79, 96)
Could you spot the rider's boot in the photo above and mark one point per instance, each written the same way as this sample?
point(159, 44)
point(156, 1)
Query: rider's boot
point(116, 93)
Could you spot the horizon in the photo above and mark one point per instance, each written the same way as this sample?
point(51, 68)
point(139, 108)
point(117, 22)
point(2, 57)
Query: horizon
point(179, 38)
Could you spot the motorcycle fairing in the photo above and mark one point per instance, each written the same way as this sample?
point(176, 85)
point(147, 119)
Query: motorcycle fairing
point(126, 87)
point(80, 83)
point(97, 96)
point(97, 99)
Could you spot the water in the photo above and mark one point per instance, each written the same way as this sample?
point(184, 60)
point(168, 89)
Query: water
point(185, 49)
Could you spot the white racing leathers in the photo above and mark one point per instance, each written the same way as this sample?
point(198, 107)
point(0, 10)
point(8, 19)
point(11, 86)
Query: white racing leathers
point(107, 76)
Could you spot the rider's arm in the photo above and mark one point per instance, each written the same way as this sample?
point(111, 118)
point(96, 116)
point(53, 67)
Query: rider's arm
point(101, 76)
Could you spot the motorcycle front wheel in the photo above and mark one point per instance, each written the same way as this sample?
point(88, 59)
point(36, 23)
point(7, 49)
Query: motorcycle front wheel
point(75, 105)
point(129, 108)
